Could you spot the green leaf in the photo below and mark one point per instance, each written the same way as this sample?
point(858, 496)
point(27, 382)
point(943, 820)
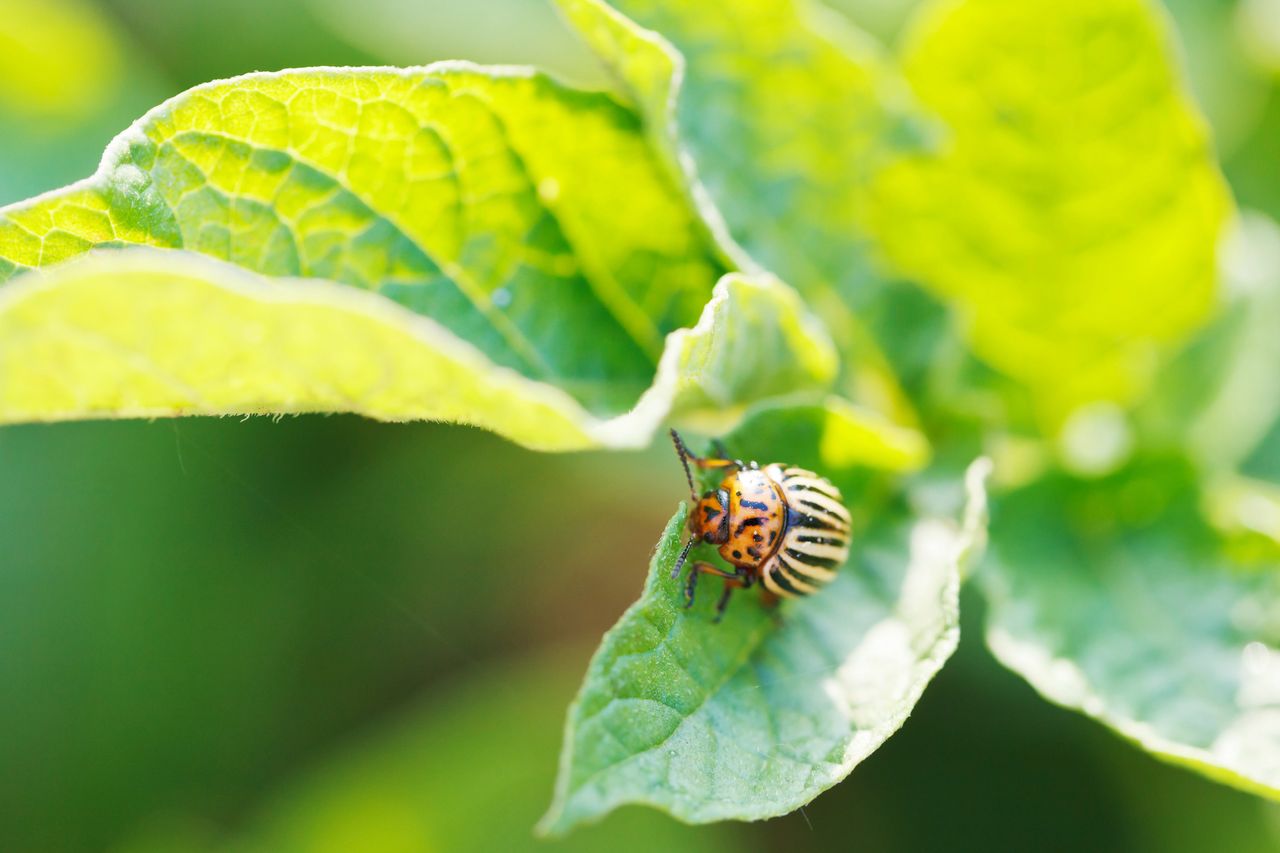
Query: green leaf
point(833, 436)
point(487, 199)
point(783, 109)
point(1240, 403)
point(776, 114)
point(1216, 402)
point(755, 716)
point(1115, 598)
point(145, 333)
point(485, 202)
point(1072, 207)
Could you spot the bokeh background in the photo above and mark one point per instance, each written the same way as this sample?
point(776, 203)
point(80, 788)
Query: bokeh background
point(326, 634)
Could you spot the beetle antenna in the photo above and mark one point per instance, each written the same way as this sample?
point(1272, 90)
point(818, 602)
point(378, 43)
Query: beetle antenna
point(683, 453)
point(675, 572)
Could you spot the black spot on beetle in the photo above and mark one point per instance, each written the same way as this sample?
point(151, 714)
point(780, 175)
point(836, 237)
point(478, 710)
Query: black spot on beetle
point(756, 505)
point(757, 537)
point(737, 555)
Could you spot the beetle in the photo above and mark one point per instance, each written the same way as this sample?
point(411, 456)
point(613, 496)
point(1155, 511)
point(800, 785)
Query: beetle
point(782, 526)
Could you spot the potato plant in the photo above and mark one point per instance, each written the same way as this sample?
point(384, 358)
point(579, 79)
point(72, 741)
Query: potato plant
point(989, 281)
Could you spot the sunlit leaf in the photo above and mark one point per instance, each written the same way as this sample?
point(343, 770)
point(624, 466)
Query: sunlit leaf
point(755, 716)
point(485, 199)
point(833, 436)
point(58, 58)
point(145, 333)
point(1073, 205)
point(776, 113)
point(1113, 597)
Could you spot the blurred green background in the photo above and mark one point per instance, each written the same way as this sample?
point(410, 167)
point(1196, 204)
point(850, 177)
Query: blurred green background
point(326, 634)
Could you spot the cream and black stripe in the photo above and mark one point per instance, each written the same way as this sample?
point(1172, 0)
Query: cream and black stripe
point(815, 541)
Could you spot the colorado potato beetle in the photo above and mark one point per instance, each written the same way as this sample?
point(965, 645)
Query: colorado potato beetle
point(783, 526)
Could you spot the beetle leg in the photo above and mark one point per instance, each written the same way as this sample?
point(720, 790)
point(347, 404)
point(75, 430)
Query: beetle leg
point(729, 587)
point(708, 568)
point(742, 579)
point(699, 567)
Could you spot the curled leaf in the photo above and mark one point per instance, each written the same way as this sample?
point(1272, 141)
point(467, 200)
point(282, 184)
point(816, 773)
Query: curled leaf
point(1115, 598)
point(146, 333)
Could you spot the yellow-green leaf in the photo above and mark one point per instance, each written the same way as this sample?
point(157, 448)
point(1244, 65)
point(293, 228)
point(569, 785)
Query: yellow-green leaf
point(530, 218)
point(150, 332)
point(529, 265)
point(831, 435)
point(58, 58)
point(775, 114)
point(1072, 208)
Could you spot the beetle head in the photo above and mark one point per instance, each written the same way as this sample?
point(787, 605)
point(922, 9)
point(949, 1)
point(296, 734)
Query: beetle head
point(709, 520)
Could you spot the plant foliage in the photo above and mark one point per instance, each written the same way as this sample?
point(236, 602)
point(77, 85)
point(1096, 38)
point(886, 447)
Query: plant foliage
point(1028, 192)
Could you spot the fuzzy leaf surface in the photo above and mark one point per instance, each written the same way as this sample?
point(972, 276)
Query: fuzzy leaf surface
point(755, 716)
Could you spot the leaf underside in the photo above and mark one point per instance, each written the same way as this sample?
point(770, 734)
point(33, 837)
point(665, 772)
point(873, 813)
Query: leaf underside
point(1115, 599)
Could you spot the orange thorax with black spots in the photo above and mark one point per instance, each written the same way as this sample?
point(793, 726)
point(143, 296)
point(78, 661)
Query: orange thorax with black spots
point(757, 518)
